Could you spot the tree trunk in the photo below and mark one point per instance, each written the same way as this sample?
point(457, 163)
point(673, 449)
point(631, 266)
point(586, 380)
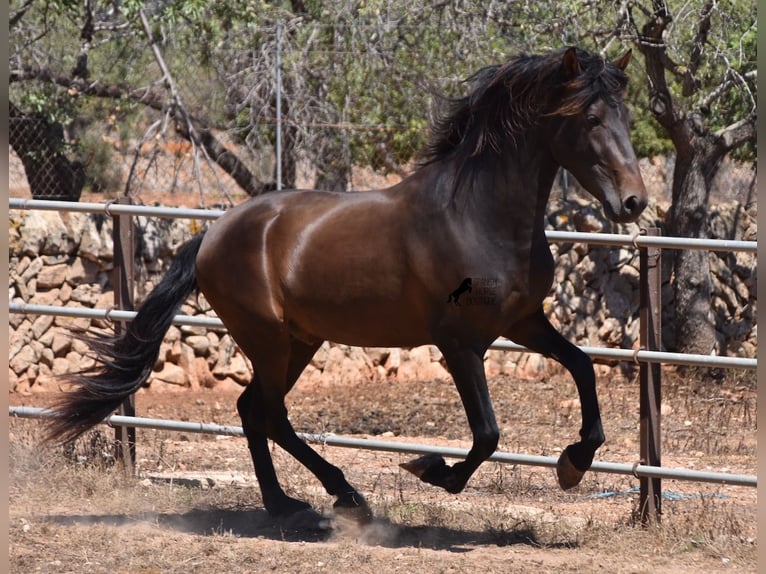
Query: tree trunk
point(333, 170)
point(692, 285)
point(40, 145)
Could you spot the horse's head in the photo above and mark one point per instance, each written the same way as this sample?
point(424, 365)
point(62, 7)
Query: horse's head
point(590, 134)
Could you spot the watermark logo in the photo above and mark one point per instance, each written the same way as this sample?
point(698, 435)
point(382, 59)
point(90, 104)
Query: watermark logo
point(475, 291)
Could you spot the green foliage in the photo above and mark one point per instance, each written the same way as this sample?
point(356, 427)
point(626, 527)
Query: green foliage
point(361, 71)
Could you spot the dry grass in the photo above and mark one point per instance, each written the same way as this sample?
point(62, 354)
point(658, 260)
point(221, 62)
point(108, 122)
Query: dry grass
point(87, 516)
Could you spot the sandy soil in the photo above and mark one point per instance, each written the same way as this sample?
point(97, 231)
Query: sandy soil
point(194, 505)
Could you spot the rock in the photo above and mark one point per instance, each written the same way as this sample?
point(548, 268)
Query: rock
point(52, 276)
point(421, 367)
point(173, 334)
point(319, 360)
point(186, 362)
point(32, 269)
point(377, 355)
point(22, 360)
point(348, 364)
point(43, 232)
point(172, 374)
point(60, 366)
point(531, 366)
point(77, 274)
point(46, 357)
point(51, 297)
point(199, 343)
point(20, 337)
point(87, 294)
point(225, 352)
point(13, 380)
point(202, 372)
point(239, 370)
point(96, 240)
point(393, 362)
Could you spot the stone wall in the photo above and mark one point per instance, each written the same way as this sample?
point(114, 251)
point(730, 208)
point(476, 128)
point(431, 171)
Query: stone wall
point(65, 259)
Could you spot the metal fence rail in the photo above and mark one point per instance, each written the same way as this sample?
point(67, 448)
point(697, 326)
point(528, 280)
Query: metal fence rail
point(604, 239)
point(639, 355)
point(637, 470)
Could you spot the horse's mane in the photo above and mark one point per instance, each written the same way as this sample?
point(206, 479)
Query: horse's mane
point(505, 100)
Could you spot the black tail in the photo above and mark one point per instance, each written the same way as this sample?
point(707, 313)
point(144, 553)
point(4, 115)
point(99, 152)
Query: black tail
point(125, 361)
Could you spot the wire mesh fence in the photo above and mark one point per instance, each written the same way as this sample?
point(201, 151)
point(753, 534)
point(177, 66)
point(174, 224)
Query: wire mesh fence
point(41, 147)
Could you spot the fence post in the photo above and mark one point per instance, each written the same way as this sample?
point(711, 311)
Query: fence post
point(650, 505)
point(123, 281)
point(278, 74)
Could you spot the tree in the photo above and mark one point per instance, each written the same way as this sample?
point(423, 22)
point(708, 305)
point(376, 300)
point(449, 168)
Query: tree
point(699, 59)
point(701, 66)
point(121, 41)
point(40, 145)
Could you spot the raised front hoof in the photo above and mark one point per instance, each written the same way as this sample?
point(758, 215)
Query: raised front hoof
point(569, 476)
point(425, 466)
point(432, 469)
point(353, 507)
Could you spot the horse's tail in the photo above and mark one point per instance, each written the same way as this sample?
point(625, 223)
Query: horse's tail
point(124, 362)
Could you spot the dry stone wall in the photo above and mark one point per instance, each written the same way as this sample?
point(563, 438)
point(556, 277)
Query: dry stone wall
point(65, 259)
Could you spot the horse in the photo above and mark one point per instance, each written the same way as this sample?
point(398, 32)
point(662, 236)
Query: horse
point(286, 271)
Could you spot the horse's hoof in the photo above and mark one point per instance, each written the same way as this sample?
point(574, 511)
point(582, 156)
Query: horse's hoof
point(569, 476)
point(421, 465)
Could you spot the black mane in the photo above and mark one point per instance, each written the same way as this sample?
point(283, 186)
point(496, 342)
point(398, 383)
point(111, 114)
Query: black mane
point(507, 99)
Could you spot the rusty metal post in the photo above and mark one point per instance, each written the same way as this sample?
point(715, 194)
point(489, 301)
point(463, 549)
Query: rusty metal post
point(123, 281)
point(650, 508)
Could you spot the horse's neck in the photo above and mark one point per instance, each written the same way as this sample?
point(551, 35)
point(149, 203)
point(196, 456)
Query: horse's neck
point(511, 197)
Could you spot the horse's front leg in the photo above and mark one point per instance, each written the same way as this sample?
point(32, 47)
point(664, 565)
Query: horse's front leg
point(536, 333)
point(467, 369)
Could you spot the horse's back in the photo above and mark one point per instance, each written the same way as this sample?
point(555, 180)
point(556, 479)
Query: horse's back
point(329, 265)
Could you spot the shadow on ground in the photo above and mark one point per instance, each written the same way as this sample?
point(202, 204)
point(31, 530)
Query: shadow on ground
point(312, 527)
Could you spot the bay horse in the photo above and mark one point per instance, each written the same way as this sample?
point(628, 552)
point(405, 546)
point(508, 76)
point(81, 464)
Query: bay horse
point(288, 270)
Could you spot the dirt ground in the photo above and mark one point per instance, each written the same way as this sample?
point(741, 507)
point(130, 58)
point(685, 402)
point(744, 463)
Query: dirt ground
point(194, 506)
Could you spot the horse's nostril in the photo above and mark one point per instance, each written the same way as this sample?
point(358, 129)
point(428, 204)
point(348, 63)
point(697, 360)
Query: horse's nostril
point(631, 203)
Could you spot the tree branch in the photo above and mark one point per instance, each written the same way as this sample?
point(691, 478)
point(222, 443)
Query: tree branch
point(19, 14)
point(651, 44)
point(738, 134)
point(227, 160)
point(700, 39)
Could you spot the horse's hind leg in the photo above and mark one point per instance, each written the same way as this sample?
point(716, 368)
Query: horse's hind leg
point(536, 333)
point(266, 412)
point(251, 411)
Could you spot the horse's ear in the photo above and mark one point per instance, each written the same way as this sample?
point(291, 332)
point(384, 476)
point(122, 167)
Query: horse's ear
point(623, 62)
point(572, 67)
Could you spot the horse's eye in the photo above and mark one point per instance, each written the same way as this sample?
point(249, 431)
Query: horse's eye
point(594, 121)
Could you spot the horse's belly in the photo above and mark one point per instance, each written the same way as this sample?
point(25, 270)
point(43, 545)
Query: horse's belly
point(378, 321)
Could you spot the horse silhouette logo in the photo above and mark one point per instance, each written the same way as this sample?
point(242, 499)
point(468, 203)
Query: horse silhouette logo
point(465, 287)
